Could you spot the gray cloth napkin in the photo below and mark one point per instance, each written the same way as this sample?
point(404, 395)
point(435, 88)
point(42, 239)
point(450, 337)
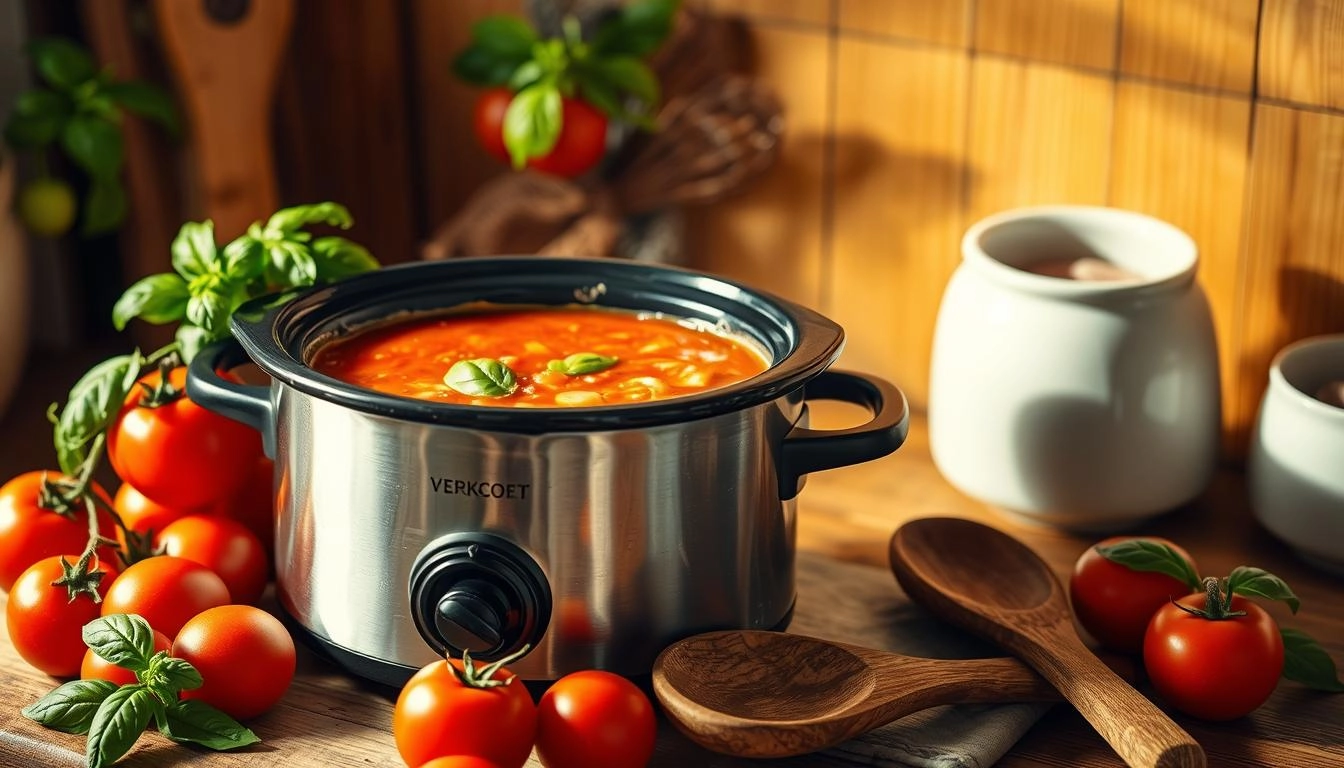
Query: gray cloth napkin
point(865, 606)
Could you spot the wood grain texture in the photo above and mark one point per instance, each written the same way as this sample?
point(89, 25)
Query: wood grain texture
point(945, 22)
point(896, 197)
point(1292, 282)
point(1182, 156)
point(227, 99)
point(1206, 43)
point(1078, 32)
point(980, 578)
point(1301, 57)
point(1038, 134)
point(811, 12)
point(451, 164)
point(745, 236)
point(352, 143)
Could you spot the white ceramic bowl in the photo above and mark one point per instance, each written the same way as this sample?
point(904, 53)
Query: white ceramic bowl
point(1295, 465)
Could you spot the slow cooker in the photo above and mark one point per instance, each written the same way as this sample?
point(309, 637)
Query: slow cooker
point(592, 536)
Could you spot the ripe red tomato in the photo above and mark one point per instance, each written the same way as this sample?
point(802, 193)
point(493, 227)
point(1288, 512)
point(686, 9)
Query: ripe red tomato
point(166, 591)
point(595, 719)
point(245, 656)
point(1114, 603)
point(95, 667)
point(580, 146)
point(437, 715)
point(459, 761)
point(142, 514)
point(224, 546)
point(179, 454)
point(29, 532)
point(1213, 669)
point(254, 504)
point(45, 625)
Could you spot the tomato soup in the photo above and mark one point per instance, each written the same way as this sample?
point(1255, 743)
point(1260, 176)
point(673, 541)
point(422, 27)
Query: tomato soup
point(540, 358)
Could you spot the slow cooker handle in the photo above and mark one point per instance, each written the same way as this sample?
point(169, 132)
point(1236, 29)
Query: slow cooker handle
point(248, 403)
point(809, 450)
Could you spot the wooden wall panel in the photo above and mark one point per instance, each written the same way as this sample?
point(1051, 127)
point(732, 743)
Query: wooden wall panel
point(452, 164)
point(1302, 51)
point(1079, 32)
point(946, 22)
point(1181, 156)
point(771, 234)
point(813, 12)
point(1038, 134)
point(897, 192)
point(1293, 282)
point(1209, 43)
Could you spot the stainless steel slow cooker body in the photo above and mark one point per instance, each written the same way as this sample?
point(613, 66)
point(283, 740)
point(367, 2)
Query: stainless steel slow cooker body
point(594, 536)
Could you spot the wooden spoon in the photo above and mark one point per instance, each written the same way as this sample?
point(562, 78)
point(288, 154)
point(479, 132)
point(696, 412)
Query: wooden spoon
point(986, 581)
point(754, 693)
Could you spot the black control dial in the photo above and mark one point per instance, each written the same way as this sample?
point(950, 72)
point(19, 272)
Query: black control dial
point(478, 592)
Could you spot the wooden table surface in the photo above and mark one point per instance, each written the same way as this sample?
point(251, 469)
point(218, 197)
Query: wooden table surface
point(847, 514)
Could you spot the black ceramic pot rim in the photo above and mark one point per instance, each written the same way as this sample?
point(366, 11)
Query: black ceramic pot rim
point(281, 333)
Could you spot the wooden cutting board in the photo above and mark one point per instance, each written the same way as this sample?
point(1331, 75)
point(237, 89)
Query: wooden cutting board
point(331, 720)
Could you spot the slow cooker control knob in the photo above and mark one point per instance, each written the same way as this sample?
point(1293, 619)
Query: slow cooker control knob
point(478, 592)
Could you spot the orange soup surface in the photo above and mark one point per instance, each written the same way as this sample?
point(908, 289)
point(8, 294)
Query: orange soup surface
point(541, 358)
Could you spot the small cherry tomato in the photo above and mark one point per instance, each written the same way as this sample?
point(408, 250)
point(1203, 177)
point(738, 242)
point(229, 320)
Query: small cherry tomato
point(1213, 669)
point(443, 712)
point(30, 532)
point(178, 453)
point(45, 624)
point(224, 546)
point(95, 667)
point(166, 591)
point(245, 656)
point(1114, 603)
point(595, 719)
point(488, 121)
point(581, 145)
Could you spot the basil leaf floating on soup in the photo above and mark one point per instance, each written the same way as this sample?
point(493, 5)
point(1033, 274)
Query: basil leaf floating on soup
point(482, 377)
point(581, 364)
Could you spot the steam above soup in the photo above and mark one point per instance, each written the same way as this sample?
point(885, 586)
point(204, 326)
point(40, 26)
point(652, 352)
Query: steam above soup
point(540, 358)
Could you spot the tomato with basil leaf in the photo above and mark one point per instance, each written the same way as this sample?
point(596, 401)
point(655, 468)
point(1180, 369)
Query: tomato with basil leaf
point(173, 450)
point(454, 707)
point(166, 591)
point(37, 521)
point(1118, 584)
point(48, 607)
point(95, 667)
point(245, 656)
point(224, 546)
point(595, 719)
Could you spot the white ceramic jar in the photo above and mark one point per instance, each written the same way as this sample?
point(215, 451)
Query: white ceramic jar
point(1295, 465)
point(1087, 405)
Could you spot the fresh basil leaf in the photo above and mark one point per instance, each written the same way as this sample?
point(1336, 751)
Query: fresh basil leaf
point(122, 639)
point(532, 123)
point(290, 264)
point(638, 29)
point(61, 62)
point(157, 299)
point(602, 95)
point(1306, 662)
point(32, 131)
point(94, 401)
point(147, 101)
point(190, 340)
point(179, 673)
point(244, 258)
point(582, 363)
point(94, 144)
point(336, 258)
point(627, 74)
point(482, 377)
point(506, 36)
point(528, 73)
point(195, 722)
point(71, 707)
point(43, 103)
point(210, 309)
point(290, 219)
point(119, 721)
point(104, 207)
point(194, 252)
point(1257, 582)
point(481, 67)
point(1145, 555)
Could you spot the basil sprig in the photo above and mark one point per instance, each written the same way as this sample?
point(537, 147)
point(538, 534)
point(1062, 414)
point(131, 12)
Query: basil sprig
point(582, 363)
point(209, 283)
point(482, 377)
point(114, 716)
point(606, 70)
point(80, 111)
